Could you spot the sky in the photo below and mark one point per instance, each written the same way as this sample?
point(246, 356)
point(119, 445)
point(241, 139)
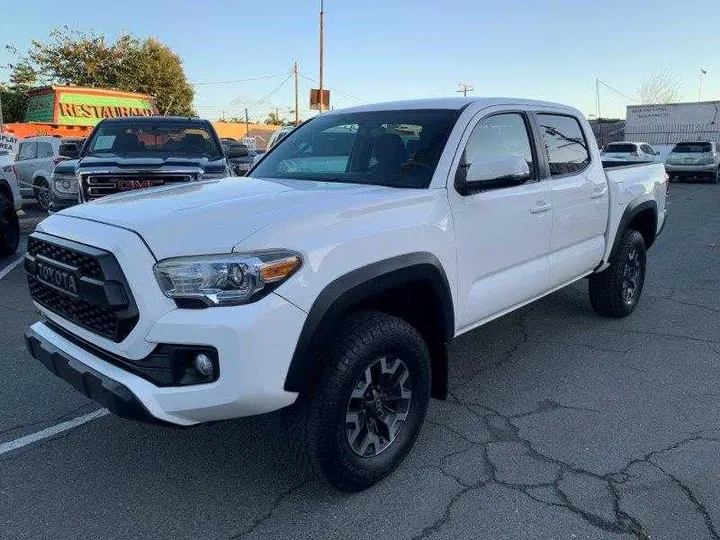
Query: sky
point(383, 50)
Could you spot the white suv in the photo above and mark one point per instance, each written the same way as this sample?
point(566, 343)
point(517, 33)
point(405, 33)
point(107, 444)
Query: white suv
point(629, 151)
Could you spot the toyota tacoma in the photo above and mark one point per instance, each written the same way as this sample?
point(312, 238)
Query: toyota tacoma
point(333, 278)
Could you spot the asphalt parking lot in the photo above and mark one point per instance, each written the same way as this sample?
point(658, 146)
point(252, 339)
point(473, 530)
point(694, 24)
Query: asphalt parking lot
point(561, 425)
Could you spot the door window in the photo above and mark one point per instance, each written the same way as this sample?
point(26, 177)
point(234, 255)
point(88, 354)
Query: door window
point(27, 150)
point(565, 144)
point(44, 150)
point(500, 134)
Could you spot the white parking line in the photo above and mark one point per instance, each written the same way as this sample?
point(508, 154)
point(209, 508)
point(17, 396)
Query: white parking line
point(51, 431)
point(10, 267)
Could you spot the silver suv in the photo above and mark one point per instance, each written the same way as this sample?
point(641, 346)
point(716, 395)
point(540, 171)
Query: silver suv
point(691, 160)
point(34, 164)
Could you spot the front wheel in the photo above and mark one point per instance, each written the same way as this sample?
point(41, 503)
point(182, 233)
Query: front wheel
point(368, 402)
point(615, 291)
point(42, 194)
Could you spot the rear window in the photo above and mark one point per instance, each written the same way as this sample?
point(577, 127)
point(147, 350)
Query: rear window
point(692, 148)
point(620, 148)
point(565, 144)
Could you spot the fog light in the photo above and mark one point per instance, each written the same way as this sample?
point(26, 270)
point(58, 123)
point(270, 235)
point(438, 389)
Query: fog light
point(203, 364)
point(66, 185)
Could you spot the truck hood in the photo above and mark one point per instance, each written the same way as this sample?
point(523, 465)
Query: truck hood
point(213, 216)
point(149, 161)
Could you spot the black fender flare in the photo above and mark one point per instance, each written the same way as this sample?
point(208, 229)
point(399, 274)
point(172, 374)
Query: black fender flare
point(350, 290)
point(632, 210)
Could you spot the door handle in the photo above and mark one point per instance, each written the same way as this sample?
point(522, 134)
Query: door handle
point(540, 208)
point(598, 194)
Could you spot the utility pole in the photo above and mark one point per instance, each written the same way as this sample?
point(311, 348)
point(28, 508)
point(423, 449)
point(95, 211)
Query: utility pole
point(247, 123)
point(465, 88)
point(700, 85)
point(2, 122)
point(297, 103)
point(322, 55)
point(597, 99)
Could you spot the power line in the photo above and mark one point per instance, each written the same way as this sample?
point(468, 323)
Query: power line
point(606, 85)
point(239, 80)
point(271, 92)
point(344, 94)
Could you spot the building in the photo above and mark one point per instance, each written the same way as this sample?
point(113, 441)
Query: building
point(72, 111)
point(668, 124)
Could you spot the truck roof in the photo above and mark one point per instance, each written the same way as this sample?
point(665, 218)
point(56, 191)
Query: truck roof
point(456, 103)
point(155, 119)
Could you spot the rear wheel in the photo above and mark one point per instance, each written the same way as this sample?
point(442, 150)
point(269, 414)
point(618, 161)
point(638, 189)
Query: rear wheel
point(9, 226)
point(615, 291)
point(368, 402)
point(42, 193)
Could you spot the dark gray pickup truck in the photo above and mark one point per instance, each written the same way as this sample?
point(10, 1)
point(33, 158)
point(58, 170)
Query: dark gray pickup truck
point(124, 154)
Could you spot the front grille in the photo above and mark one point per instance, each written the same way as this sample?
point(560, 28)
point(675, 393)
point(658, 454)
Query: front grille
point(95, 186)
point(99, 300)
point(89, 266)
point(99, 319)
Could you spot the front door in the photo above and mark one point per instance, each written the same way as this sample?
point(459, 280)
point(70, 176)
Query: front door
point(502, 234)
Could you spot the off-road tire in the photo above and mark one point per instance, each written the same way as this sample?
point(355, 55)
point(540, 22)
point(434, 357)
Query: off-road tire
point(608, 288)
point(317, 426)
point(9, 226)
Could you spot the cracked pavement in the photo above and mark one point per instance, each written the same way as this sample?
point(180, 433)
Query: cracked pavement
point(560, 425)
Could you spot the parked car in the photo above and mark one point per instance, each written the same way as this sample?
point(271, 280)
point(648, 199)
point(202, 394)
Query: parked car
point(125, 154)
point(10, 203)
point(694, 160)
point(278, 136)
point(629, 151)
point(335, 276)
point(240, 158)
point(34, 165)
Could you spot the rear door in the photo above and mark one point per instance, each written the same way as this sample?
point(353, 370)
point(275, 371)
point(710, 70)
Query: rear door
point(27, 152)
point(579, 196)
point(502, 234)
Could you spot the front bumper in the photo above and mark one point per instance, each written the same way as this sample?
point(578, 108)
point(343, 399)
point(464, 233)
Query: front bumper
point(114, 396)
point(58, 203)
point(255, 344)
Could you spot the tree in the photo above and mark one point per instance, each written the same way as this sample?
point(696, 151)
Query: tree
point(14, 96)
point(273, 119)
point(153, 68)
point(663, 87)
point(73, 57)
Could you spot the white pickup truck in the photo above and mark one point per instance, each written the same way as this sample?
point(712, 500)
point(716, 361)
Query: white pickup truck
point(335, 276)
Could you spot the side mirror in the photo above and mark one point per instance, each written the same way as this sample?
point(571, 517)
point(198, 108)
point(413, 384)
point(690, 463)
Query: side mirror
point(69, 150)
point(492, 171)
point(236, 151)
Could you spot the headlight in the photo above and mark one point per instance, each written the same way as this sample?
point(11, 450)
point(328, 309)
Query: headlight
point(65, 183)
point(225, 280)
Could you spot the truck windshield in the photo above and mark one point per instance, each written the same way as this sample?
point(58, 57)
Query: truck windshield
point(692, 148)
point(386, 148)
point(145, 138)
